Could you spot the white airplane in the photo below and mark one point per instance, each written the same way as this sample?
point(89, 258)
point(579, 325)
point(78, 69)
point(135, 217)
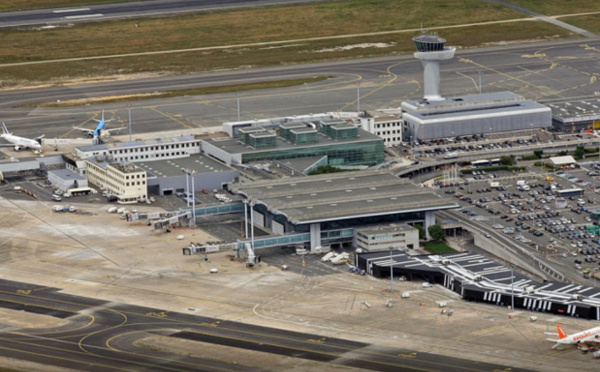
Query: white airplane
point(99, 130)
point(580, 339)
point(20, 142)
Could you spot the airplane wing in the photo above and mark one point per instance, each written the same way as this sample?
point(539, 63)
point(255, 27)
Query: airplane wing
point(112, 129)
point(85, 130)
point(39, 137)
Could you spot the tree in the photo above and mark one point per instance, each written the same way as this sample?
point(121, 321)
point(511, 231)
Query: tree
point(437, 233)
point(579, 152)
point(507, 160)
point(538, 153)
point(421, 231)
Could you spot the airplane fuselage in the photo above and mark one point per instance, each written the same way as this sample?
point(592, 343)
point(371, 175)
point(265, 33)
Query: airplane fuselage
point(21, 142)
point(586, 335)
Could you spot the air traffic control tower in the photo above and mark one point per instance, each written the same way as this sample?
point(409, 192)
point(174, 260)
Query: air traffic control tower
point(431, 50)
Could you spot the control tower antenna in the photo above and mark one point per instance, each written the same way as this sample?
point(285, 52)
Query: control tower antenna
point(431, 50)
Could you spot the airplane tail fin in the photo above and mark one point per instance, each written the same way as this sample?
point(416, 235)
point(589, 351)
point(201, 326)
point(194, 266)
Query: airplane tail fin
point(561, 333)
point(4, 130)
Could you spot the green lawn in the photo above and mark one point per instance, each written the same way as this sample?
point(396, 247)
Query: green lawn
point(339, 22)
point(558, 7)
point(586, 22)
point(438, 247)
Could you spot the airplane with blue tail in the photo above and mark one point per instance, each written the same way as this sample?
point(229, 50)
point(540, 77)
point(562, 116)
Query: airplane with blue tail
point(100, 130)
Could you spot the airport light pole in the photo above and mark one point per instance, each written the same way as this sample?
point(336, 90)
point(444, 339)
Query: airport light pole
point(238, 105)
point(187, 187)
point(531, 134)
point(190, 173)
point(512, 288)
point(391, 271)
point(129, 114)
point(193, 174)
point(473, 80)
point(358, 97)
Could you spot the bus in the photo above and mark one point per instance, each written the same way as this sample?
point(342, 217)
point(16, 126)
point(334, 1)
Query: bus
point(480, 163)
point(78, 191)
point(485, 163)
point(567, 193)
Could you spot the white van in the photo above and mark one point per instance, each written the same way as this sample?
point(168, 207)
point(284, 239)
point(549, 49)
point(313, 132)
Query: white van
point(56, 197)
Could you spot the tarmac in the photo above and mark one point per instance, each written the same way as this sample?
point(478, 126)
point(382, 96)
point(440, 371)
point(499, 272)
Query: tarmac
point(102, 256)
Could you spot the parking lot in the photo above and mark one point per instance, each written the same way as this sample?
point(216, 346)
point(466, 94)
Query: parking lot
point(548, 213)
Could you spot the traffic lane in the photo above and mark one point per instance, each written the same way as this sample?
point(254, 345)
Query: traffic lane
point(342, 352)
point(405, 67)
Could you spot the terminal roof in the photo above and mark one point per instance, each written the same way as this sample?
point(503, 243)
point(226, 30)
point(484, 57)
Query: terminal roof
point(340, 196)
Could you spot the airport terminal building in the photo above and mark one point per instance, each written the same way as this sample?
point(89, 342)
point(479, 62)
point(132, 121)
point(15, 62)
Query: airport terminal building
point(326, 209)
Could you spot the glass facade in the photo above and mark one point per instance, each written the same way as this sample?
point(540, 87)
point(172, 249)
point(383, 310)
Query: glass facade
point(429, 43)
point(303, 136)
point(262, 140)
point(348, 153)
point(344, 132)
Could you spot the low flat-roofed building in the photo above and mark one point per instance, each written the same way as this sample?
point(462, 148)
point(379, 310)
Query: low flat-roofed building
point(386, 237)
point(472, 114)
point(576, 116)
point(136, 151)
point(331, 206)
point(65, 179)
point(166, 177)
point(124, 180)
point(560, 161)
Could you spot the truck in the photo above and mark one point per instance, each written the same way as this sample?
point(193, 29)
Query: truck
point(451, 155)
point(521, 183)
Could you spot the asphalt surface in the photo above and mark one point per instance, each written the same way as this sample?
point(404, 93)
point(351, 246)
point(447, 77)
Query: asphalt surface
point(545, 72)
point(100, 336)
point(104, 12)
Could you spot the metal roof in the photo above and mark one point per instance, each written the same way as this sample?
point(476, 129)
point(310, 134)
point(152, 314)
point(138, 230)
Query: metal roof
point(173, 167)
point(339, 196)
point(573, 111)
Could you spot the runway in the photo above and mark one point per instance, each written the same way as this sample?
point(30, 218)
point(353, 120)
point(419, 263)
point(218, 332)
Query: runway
point(544, 72)
point(100, 336)
point(104, 12)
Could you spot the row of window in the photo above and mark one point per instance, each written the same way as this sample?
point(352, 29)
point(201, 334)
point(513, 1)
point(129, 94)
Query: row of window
point(388, 125)
point(387, 132)
point(154, 148)
point(152, 156)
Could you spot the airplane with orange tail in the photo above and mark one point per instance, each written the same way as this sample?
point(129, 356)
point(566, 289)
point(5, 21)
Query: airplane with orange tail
point(581, 339)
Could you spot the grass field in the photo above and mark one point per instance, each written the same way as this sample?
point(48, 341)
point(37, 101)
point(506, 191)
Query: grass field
point(277, 24)
point(587, 22)
point(182, 92)
point(558, 7)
